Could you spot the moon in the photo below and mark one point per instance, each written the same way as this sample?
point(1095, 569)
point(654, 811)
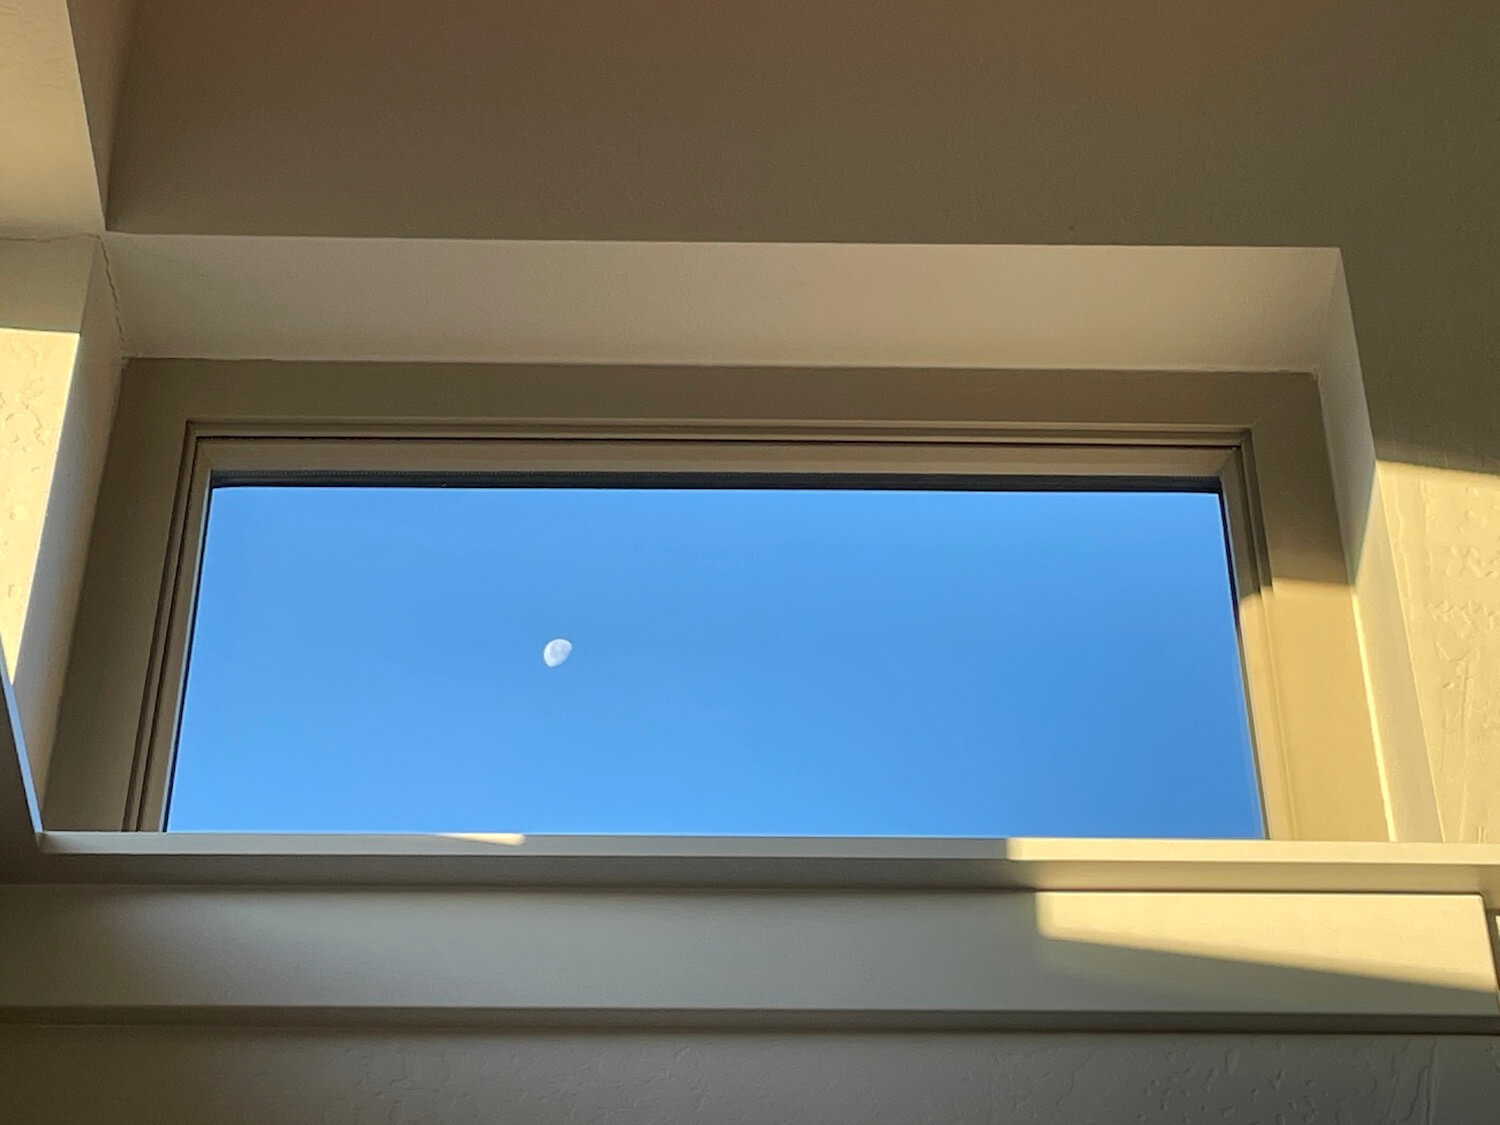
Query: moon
point(556, 651)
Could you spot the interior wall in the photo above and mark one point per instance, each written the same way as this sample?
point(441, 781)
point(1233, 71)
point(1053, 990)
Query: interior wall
point(1350, 123)
point(166, 1075)
point(1367, 126)
point(1446, 524)
point(77, 440)
point(59, 373)
point(47, 184)
point(101, 41)
point(1342, 123)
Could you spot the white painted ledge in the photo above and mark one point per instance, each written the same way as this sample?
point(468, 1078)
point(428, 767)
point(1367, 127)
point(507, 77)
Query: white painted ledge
point(1021, 863)
point(639, 932)
point(781, 958)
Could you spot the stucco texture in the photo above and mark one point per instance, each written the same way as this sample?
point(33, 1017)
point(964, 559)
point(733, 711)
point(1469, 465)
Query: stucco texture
point(35, 372)
point(178, 1075)
point(1445, 527)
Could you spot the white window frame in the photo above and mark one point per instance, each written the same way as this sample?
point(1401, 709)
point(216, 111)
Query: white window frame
point(1258, 434)
point(324, 456)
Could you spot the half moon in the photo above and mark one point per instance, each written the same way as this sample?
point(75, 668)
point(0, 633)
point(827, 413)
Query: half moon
point(556, 651)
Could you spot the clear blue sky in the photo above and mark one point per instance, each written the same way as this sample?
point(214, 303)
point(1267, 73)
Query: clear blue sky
point(782, 662)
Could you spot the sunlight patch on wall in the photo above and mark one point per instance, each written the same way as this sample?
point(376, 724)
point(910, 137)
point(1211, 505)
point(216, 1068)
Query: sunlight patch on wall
point(1418, 939)
point(1445, 528)
point(36, 370)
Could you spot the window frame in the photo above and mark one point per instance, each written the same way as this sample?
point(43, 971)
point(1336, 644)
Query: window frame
point(1247, 432)
point(322, 456)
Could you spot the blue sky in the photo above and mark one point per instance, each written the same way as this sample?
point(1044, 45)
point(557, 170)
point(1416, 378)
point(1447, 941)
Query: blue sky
point(762, 662)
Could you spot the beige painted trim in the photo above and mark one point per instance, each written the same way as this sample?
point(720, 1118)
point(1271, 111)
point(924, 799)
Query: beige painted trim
point(177, 417)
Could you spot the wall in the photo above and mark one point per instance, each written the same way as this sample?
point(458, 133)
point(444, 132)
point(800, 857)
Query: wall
point(1296, 122)
point(47, 183)
point(59, 375)
point(101, 43)
point(1446, 526)
point(1339, 123)
point(169, 1075)
point(1362, 124)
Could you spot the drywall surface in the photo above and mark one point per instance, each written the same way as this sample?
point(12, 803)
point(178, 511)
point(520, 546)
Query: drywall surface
point(1195, 308)
point(169, 1075)
point(1343, 123)
point(204, 954)
point(101, 41)
point(43, 288)
point(47, 183)
point(41, 662)
point(1401, 744)
point(1363, 126)
point(59, 375)
point(1445, 525)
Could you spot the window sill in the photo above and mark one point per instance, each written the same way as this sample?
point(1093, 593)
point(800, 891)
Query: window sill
point(513, 860)
point(641, 932)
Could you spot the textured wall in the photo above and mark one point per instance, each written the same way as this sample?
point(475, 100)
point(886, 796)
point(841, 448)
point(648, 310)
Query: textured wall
point(35, 370)
point(1445, 527)
point(43, 290)
point(59, 376)
point(166, 1076)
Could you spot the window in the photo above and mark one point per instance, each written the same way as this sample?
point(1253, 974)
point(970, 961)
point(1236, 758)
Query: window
point(1194, 672)
point(867, 657)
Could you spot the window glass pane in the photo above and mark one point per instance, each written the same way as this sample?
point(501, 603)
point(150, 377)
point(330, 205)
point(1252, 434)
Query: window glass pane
point(787, 661)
